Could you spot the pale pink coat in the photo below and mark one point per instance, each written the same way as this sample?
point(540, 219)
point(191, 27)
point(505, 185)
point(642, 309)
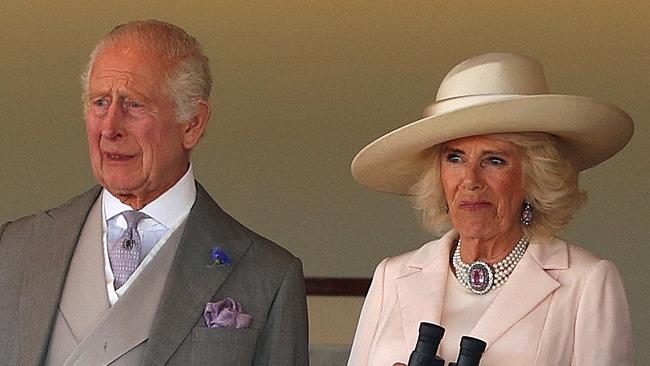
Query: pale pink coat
point(561, 306)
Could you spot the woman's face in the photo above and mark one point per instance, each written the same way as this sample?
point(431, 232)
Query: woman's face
point(483, 183)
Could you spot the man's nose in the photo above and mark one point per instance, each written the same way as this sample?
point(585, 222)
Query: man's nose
point(113, 123)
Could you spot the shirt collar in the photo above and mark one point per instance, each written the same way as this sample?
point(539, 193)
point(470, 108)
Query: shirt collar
point(167, 209)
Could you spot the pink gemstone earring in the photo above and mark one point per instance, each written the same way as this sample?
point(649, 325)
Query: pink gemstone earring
point(527, 213)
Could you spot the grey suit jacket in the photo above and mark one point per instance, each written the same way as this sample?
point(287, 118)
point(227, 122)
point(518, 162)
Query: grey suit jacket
point(35, 253)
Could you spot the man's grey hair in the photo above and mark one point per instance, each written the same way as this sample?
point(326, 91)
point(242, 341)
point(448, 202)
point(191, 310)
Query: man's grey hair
point(188, 77)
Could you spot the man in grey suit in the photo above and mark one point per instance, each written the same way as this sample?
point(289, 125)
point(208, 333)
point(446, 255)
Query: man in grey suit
point(145, 268)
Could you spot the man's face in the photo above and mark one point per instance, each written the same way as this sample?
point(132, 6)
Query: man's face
point(136, 144)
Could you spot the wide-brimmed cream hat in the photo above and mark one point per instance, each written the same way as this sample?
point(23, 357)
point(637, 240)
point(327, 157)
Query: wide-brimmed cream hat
point(493, 93)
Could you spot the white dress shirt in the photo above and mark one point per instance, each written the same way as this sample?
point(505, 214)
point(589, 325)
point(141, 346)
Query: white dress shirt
point(165, 214)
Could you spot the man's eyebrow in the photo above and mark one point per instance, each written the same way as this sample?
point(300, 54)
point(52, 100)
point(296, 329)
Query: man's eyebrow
point(121, 96)
point(95, 95)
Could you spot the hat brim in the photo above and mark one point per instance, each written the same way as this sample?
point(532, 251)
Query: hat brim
point(591, 131)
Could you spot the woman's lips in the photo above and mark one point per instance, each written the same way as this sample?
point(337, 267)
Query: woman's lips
point(475, 205)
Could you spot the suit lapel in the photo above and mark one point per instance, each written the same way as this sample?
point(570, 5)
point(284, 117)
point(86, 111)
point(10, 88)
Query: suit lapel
point(192, 281)
point(424, 277)
point(518, 297)
point(51, 247)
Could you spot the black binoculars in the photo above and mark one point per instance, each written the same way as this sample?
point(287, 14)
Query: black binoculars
point(471, 349)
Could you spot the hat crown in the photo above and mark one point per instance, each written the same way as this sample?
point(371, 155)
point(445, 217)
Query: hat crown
point(494, 74)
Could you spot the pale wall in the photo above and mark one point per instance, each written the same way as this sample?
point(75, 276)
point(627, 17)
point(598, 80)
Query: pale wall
point(301, 86)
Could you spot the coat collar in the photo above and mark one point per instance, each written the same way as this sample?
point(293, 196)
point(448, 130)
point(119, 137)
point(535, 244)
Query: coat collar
point(192, 281)
point(421, 285)
point(528, 286)
point(550, 253)
point(52, 244)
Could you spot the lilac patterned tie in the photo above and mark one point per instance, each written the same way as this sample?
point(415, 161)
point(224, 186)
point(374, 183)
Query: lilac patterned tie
point(124, 253)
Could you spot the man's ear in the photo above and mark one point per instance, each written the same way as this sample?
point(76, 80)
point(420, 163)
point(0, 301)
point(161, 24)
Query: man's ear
point(195, 128)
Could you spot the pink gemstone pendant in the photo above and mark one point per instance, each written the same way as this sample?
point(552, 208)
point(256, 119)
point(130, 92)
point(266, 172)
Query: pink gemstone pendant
point(480, 278)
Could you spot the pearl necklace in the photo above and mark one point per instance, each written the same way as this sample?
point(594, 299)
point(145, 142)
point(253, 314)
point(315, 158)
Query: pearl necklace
point(480, 277)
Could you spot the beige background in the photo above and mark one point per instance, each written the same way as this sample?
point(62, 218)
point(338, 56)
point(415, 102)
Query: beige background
point(301, 86)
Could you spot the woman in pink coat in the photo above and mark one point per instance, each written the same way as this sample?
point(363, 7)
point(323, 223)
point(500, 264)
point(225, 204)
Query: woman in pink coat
point(493, 168)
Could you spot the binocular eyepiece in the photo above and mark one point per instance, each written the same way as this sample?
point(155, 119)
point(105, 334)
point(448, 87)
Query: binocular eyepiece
point(426, 348)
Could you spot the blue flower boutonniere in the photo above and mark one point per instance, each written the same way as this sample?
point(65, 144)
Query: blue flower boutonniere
point(219, 257)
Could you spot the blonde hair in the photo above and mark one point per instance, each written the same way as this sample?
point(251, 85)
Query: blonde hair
point(550, 183)
point(188, 79)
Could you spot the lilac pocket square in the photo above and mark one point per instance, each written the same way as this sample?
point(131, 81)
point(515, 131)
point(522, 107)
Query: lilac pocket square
point(226, 313)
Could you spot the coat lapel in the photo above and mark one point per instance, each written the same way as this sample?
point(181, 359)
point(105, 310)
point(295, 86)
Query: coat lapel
point(192, 281)
point(518, 297)
point(424, 277)
point(53, 242)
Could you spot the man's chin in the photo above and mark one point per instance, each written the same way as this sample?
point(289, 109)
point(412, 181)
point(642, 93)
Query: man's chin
point(120, 191)
point(131, 198)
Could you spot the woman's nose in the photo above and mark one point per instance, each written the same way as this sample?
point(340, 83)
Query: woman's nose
point(472, 180)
